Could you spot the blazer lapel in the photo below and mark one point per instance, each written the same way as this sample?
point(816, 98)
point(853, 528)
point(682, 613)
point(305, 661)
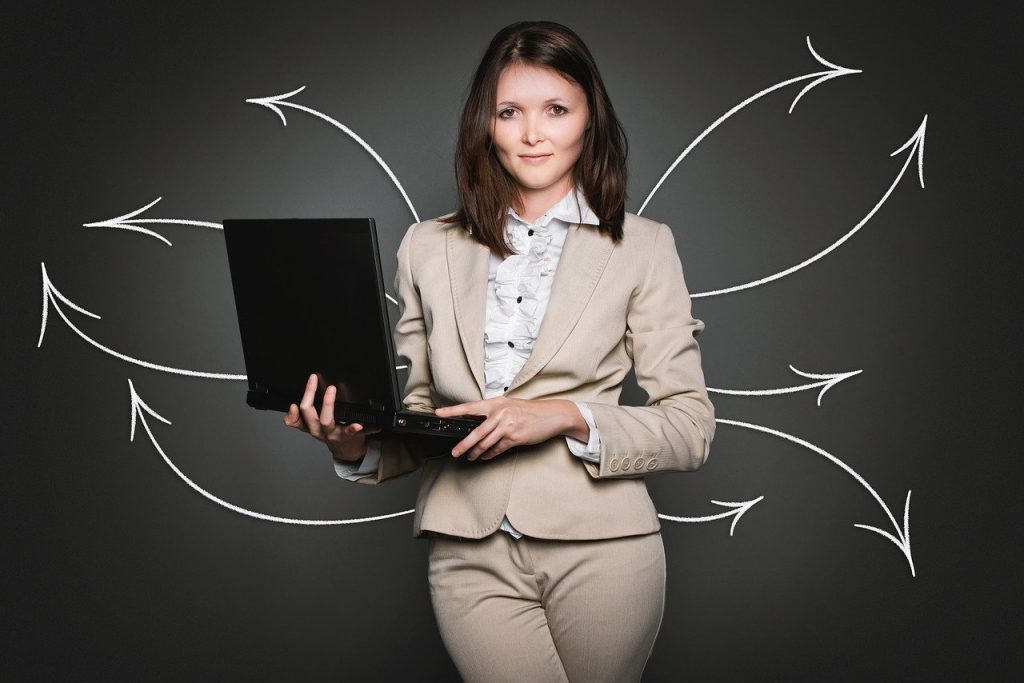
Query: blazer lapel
point(584, 256)
point(468, 262)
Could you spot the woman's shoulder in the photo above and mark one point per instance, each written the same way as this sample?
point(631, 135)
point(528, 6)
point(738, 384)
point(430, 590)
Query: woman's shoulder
point(640, 225)
point(434, 225)
point(428, 228)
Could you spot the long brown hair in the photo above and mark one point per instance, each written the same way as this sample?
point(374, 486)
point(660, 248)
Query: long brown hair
point(486, 190)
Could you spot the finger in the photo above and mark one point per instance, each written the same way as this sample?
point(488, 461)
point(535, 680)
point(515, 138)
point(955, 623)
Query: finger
point(496, 450)
point(327, 423)
point(465, 444)
point(292, 418)
point(485, 444)
point(310, 392)
point(311, 419)
point(472, 438)
point(459, 409)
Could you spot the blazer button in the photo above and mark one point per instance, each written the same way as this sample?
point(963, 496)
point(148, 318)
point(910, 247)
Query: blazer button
point(652, 463)
point(625, 463)
point(614, 465)
point(638, 464)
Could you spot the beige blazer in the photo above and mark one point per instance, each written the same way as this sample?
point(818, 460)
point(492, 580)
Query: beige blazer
point(611, 306)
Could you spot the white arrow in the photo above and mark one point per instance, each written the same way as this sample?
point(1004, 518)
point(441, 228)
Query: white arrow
point(828, 380)
point(821, 76)
point(902, 537)
point(51, 294)
point(282, 100)
point(129, 222)
point(916, 145)
point(738, 511)
point(139, 407)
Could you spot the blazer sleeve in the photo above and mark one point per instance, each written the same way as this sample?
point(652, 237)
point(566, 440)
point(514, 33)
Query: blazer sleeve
point(400, 455)
point(677, 424)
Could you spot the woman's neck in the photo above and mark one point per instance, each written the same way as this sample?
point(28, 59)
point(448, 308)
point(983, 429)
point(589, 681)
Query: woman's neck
point(537, 202)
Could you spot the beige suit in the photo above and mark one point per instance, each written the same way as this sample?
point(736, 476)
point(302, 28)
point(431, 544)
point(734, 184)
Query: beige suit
point(611, 306)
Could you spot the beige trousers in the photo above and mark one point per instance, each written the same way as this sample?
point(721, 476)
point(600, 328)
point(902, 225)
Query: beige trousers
point(543, 610)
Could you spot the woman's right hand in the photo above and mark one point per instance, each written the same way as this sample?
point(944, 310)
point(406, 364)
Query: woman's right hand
point(346, 442)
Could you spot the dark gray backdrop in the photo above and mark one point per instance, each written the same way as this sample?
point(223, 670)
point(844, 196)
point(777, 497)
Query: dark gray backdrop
point(115, 567)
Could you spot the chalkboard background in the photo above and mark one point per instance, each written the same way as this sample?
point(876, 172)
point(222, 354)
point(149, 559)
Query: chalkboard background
point(114, 567)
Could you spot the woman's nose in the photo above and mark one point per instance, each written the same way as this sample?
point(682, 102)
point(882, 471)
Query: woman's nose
point(532, 130)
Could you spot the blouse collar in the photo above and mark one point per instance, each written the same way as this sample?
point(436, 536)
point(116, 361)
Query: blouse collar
point(564, 210)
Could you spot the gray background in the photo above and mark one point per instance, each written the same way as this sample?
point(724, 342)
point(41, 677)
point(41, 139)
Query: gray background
point(114, 567)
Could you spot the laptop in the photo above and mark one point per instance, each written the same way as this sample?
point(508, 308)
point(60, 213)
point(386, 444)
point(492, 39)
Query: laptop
point(310, 298)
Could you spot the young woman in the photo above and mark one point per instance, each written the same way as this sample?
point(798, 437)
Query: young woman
point(528, 306)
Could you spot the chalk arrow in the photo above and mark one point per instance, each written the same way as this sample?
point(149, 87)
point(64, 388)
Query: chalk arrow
point(51, 295)
point(902, 536)
point(916, 145)
point(834, 71)
point(129, 222)
point(274, 102)
point(140, 408)
point(739, 509)
point(828, 381)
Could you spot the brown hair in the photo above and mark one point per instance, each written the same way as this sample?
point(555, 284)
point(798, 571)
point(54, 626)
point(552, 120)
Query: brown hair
point(486, 190)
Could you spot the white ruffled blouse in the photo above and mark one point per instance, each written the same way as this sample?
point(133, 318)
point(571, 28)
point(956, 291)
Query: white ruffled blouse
point(518, 290)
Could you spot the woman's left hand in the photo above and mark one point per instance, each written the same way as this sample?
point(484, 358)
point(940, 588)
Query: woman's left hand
point(510, 422)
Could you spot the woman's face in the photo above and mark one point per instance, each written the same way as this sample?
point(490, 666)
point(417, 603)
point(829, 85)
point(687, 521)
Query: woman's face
point(539, 122)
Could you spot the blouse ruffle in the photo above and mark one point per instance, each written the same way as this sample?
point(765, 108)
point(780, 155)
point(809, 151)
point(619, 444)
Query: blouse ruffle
point(512, 327)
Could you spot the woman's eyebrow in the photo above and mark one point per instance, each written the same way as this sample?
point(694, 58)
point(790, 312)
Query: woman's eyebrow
point(553, 99)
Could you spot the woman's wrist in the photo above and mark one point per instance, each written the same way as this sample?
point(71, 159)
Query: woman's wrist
point(575, 424)
point(340, 457)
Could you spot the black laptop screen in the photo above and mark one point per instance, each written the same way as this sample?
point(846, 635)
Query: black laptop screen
point(309, 299)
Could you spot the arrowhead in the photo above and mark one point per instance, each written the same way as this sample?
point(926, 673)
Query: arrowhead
point(835, 71)
point(903, 542)
point(272, 101)
point(835, 377)
point(123, 223)
point(741, 509)
point(49, 292)
point(138, 405)
point(916, 143)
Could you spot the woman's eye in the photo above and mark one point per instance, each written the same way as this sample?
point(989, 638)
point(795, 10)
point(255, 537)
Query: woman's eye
point(559, 111)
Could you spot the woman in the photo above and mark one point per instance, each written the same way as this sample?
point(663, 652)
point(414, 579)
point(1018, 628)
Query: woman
point(546, 561)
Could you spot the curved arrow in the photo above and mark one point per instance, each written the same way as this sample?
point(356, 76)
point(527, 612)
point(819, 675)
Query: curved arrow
point(272, 103)
point(828, 381)
point(739, 509)
point(51, 294)
point(139, 407)
point(916, 144)
point(128, 222)
point(902, 537)
point(834, 71)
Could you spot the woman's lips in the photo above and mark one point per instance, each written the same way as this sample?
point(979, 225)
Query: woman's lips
point(534, 159)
